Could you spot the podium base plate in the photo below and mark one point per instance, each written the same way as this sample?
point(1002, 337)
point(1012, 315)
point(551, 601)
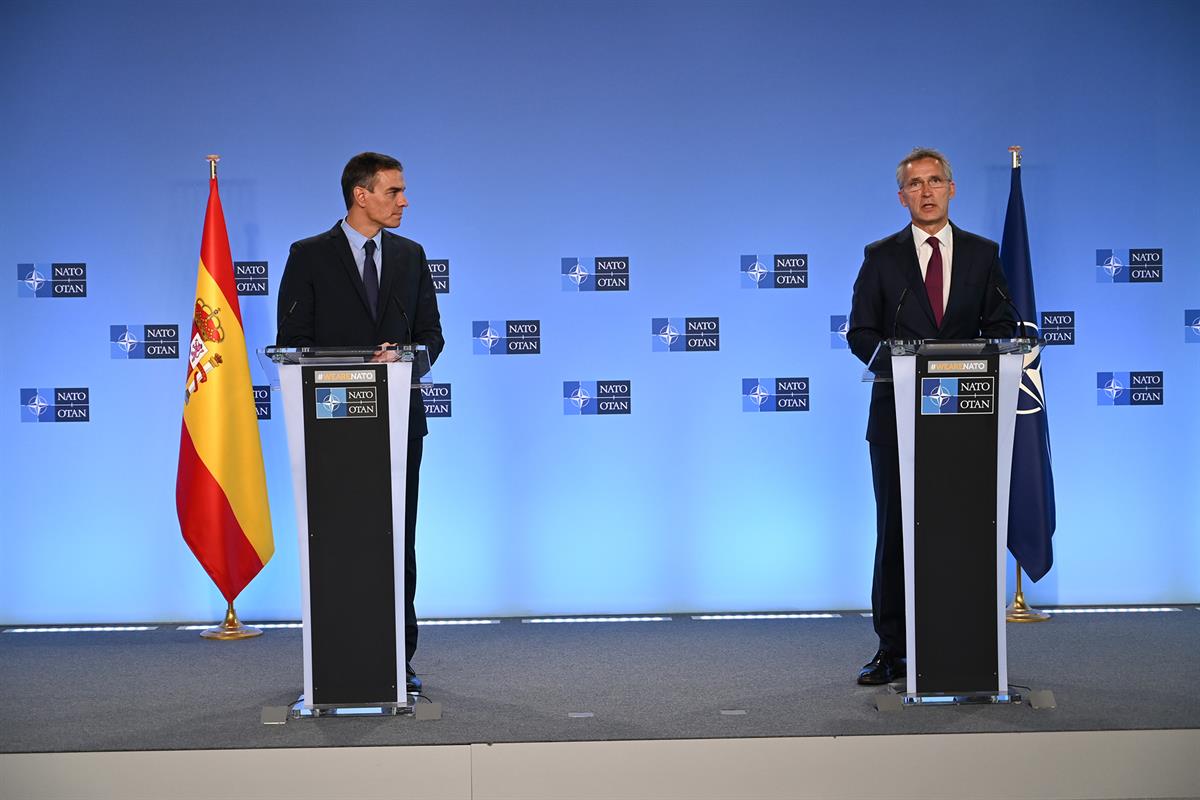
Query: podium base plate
point(299, 711)
point(969, 698)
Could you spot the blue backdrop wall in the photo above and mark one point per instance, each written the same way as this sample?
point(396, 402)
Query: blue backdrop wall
point(681, 136)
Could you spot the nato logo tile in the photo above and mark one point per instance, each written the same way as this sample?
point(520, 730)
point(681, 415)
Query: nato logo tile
point(685, 334)
point(143, 341)
point(52, 280)
point(600, 274)
point(775, 394)
point(839, 326)
point(439, 271)
point(437, 399)
point(1058, 327)
point(1129, 388)
point(1191, 326)
point(779, 271)
point(262, 401)
point(250, 278)
point(586, 398)
point(506, 337)
point(1136, 265)
point(56, 405)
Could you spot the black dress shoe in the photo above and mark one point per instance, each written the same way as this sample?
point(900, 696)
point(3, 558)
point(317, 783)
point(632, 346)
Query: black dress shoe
point(414, 683)
point(883, 668)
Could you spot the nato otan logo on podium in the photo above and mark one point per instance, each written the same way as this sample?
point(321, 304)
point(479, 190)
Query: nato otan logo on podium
point(439, 271)
point(250, 278)
point(56, 405)
point(1191, 326)
point(437, 399)
point(958, 395)
point(839, 326)
point(1136, 265)
point(52, 280)
point(1129, 388)
point(782, 271)
point(599, 274)
point(775, 394)
point(143, 341)
point(685, 334)
point(586, 398)
point(506, 337)
point(1058, 327)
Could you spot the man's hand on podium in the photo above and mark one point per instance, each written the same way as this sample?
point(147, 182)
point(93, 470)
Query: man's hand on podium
point(385, 355)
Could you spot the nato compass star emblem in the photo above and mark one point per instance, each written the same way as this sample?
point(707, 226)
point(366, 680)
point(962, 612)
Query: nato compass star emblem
point(35, 280)
point(580, 398)
point(668, 334)
point(37, 405)
point(577, 274)
point(1195, 326)
point(1113, 388)
point(940, 395)
point(1112, 265)
point(757, 271)
point(127, 341)
point(843, 329)
point(759, 394)
point(331, 403)
point(489, 337)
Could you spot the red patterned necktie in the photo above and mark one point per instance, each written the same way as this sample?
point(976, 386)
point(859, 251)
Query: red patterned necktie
point(933, 280)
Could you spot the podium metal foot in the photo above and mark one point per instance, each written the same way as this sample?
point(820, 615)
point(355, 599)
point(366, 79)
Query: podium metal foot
point(299, 711)
point(974, 698)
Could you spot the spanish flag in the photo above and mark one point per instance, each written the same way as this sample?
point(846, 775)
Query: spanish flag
point(221, 487)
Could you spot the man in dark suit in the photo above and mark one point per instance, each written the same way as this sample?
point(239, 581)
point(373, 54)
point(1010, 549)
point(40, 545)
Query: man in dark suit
point(931, 280)
point(359, 285)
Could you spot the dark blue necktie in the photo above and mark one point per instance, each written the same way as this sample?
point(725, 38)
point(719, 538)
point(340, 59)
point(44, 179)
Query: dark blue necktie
point(371, 278)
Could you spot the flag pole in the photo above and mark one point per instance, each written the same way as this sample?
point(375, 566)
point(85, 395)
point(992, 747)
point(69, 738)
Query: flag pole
point(1019, 610)
point(232, 628)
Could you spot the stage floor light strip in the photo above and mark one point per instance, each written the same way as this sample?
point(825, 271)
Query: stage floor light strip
point(1111, 610)
point(538, 620)
point(85, 629)
point(707, 617)
point(458, 622)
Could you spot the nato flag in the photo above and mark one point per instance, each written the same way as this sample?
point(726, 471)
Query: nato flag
point(1031, 502)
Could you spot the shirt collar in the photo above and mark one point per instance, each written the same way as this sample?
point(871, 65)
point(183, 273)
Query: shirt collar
point(945, 236)
point(357, 240)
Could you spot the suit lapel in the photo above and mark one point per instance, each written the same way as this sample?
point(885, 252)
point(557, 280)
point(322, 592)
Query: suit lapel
point(391, 266)
point(341, 245)
point(961, 263)
point(911, 268)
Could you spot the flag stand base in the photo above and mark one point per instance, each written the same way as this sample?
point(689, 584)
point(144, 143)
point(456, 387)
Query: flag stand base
point(1020, 611)
point(232, 628)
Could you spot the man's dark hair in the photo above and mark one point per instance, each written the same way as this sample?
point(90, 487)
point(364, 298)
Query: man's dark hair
point(361, 171)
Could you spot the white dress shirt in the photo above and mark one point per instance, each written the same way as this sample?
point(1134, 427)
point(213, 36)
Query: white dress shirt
point(945, 238)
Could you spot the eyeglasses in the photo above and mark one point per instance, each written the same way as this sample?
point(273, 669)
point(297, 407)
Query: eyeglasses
point(934, 183)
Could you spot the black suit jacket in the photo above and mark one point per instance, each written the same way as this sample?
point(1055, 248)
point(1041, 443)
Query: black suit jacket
point(974, 309)
point(322, 302)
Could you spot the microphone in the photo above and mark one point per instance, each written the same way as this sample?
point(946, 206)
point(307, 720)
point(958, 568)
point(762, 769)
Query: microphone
point(279, 327)
point(1020, 320)
point(896, 316)
point(404, 315)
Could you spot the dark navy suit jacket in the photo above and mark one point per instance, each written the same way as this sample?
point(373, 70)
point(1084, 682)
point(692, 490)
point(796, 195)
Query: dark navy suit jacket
point(974, 309)
point(322, 302)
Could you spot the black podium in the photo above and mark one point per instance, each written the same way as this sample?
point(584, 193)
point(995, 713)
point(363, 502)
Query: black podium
point(956, 405)
point(347, 411)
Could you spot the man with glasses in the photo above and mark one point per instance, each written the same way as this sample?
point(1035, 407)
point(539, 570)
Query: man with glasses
point(932, 280)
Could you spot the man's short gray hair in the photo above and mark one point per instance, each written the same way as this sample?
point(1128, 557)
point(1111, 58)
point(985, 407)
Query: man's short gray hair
point(917, 154)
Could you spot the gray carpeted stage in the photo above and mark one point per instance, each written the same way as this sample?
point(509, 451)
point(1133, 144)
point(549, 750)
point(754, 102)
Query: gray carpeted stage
point(519, 682)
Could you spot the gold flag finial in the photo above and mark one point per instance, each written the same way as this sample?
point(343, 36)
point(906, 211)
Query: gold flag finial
point(212, 165)
point(1016, 155)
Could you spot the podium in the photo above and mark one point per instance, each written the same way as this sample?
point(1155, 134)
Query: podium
point(956, 405)
point(346, 411)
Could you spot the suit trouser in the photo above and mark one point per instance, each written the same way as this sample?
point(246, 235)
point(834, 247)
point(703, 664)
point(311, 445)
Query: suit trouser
point(415, 449)
point(887, 588)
